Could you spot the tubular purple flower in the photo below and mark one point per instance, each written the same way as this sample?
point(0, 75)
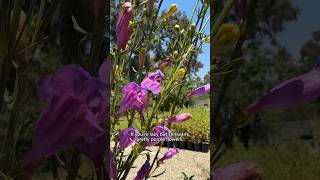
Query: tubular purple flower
point(169, 154)
point(143, 172)
point(112, 167)
point(291, 93)
point(161, 132)
point(123, 31)
point(202, 90)
point(127, 137)
point(153, 82)
point(133, 97)
point(179, 118)
point(75, 112)
point(237, 171)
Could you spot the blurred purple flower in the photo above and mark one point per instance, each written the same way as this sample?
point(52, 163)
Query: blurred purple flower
point(112, 167)
point(133, 96)
point(127, 137)
point(238, 171)
point(160, 131)
point(143, 172)
point(202, 90)
point(153, 82)
point(123, 30)
point(291, 93)
point(179, 118)
point(169, 154)
point(75, 112)
point(242, 8)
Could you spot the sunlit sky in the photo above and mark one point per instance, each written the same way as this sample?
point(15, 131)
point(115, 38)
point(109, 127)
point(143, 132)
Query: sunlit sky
point(187, 6)
point(296, 33)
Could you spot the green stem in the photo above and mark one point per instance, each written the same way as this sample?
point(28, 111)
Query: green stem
point(74, 165)
point(222, 16)
point(99, 29)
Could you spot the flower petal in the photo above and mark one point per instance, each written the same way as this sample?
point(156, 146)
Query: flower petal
point(238, 171)
point(294, 92)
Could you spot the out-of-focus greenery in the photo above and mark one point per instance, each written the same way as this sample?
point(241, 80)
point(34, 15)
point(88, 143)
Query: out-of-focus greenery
point(296, 160)
point(198, 127)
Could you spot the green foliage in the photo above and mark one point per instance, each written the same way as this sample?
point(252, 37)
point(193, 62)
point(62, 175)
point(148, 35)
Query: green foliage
point(295, 160)
point(198, 127)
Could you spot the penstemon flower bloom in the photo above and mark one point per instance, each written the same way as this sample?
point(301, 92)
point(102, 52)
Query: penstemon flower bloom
point(127, 137)
point(123, 30)
point(179, 118)
point(291, 93)
point(133, 97)
point(153, 82)
point(202, 90)
point(75, 112)
point(169, 154)
point(143, 171)
point(160, 129)
point(237, 171)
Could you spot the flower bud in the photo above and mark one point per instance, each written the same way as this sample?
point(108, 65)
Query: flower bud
point(181, 72)
point(226, 39)
point(169, 154)
point(142, 57)
point(164, 64)
point(193, 27)
point(175, 54)
point(177, 27)
point(179, 118)
point(172, 10)
point(205, 39)
point(123, 30)
point(143, 172)
point(202, 90)
point(227, 33)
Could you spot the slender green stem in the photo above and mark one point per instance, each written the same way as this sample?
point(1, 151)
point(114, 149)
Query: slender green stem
point(222, 16)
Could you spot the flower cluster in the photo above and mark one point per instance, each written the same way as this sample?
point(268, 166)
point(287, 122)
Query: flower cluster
point(138, 93)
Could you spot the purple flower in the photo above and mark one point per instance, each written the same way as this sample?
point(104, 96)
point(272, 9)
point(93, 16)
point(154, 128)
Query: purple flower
point(238, 171)
point(133, 97)
point(112, 167)
point(179, 118)
point(160, 132)
point(153, 82)
point(127, 137)
point(169, 154)
point(75, 112)
point(123, 31)
point(202, 90)
point(291, 93)
point(143, 172)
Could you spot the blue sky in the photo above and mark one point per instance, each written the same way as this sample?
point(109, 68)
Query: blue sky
point(296, 33)
point(187, 7)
